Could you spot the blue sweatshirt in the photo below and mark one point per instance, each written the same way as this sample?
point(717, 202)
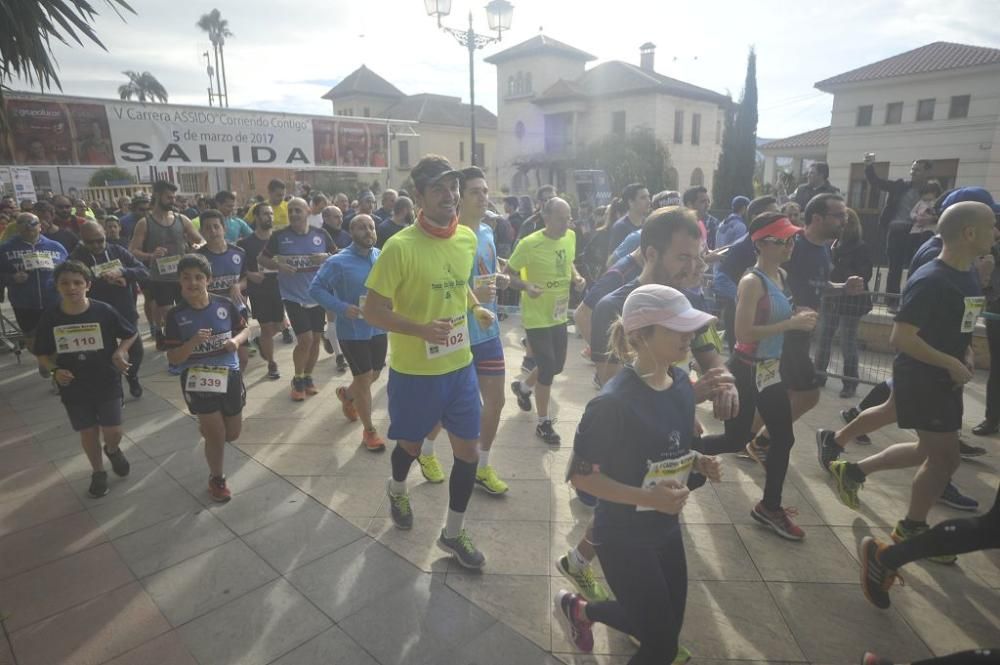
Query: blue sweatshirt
point(39, 291)
point(340, 283)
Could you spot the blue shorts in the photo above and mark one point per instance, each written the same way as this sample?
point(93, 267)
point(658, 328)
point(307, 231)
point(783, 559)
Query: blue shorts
point(418, 403)
point(487, 357)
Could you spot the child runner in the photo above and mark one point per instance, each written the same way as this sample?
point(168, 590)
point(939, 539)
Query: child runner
point(201, 337)
point(633, 451)
point(85, 343)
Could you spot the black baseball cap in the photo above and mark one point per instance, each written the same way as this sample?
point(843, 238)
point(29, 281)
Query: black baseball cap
point(431, 170)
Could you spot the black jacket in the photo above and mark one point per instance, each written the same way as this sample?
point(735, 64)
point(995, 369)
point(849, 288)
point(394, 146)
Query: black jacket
point(852, 259)
point(804, 193)
point(895, 189)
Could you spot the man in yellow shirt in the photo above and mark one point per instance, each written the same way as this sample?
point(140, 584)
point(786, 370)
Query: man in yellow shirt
point(542, 266)
point(276, 198)
point(418, 291)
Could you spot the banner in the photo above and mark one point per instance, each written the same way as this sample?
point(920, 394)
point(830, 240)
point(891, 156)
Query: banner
point(54, 131)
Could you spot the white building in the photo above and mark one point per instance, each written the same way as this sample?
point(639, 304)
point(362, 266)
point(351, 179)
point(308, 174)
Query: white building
point(549, 106)
point(939, 102)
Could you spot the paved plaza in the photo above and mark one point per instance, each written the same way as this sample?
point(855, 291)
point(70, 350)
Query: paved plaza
point(304, 567)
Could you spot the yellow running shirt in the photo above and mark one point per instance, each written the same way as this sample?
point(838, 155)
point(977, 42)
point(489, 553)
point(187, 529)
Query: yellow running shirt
point(427, 279)
point(280, 215)
point(548, 264)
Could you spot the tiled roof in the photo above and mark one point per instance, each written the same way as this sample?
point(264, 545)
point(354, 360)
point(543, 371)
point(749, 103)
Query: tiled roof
point(539, 44)
point(438, 110)
point(363, 81)
point(935, 57)
point(619, 78)
point(815, 138)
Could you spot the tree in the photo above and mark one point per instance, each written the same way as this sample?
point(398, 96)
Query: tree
point(143, 87)
point(218, 29)
point(739, 144)
point(102, 177)
point(639, 157)
point(30, 27)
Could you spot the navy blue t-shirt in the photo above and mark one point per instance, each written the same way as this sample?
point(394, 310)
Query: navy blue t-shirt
point(809, 272)
point(741, 256)
point(184, 321)
point(623, 270)
point(927, 252)
point(228, 268)
point(943, 303)
point(633, 434)
point(619, 231)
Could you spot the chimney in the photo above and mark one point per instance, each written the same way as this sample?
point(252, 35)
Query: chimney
point(647, 53)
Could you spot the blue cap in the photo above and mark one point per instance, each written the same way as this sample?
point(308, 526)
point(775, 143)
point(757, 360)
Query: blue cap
point(739, 202)
point(977, 194)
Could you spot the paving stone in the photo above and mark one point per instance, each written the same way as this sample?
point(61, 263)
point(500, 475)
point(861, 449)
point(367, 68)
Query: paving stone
point(171, 541)
point(259, 506)
point(49, 541)
point(167, 649)
point(119, 516)
point(301, 538)
point(333, 643)
point(518, 601)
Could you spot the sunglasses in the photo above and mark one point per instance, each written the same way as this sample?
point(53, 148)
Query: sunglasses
point(778, 242)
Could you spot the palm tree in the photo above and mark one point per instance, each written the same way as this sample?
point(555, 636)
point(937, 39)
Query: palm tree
point(32, 26)
point(143, 87)
point(218, 29)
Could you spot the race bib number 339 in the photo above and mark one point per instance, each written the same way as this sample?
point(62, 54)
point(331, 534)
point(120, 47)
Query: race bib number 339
point(207, 380)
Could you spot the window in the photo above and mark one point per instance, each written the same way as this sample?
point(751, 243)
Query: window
point(718, 131)
point(696, 129)
point(697, 178)
point(519, 84)
point(864, 116)
point(461, 151)
point(678, 126)
point(959, 107)
point(558, 133)
point(519, 130)
point(618, 123)
point(527, 82)
point(404, 154)
point(480, 154)
point(894, 113)
point(925, 110)
point(510, 86)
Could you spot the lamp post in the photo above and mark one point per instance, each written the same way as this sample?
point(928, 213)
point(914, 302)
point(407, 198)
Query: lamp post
point(498, 15)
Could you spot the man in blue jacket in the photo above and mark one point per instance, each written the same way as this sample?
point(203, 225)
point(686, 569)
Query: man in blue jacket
point(339, 287)
point(26, 265)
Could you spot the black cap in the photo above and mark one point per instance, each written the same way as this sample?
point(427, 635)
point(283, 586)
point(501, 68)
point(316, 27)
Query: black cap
point(431, 170)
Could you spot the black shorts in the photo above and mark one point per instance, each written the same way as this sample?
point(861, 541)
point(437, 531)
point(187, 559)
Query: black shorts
point(27, 319)
point(365, 355)
point(549, 348)
point(797, 369)
point(105, 412)
point(164, 293)
point(305, 319)
point(926, 401)
point(267, 307)
point(230, 403)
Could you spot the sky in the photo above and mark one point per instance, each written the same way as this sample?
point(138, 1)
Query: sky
point(285, 55)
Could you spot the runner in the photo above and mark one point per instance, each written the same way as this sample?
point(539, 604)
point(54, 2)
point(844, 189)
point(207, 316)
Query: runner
point(236, 227)
point(229, 267)
point(296, 253)
point(764, 316)
point(633, 451)
point(27, 262)
point(636, 196)
point(487, 349)
point(333, 223)
point(116, 274)
point(201, 338)
point(339, 287)
point(402, 216)
point(546, 257)
point(276, 199)
point(932, 332)
point(262, 288)
point(622, 272)
point(85, 344)
point(418, 291)
point(159, 240)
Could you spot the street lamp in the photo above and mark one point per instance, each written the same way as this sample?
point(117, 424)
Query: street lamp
point(498, 15)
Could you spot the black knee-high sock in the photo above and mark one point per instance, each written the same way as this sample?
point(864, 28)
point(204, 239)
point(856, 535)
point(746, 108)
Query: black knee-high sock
point(877, 395)
point(463, 479)
point(401, 462)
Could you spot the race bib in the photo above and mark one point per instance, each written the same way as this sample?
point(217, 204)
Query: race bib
point(361, 304)
point(102, 269)
point(560, 309)
point(974, 306)
point(300, 261)
point(78, 337)
point(213, 343)
point(480, 281)
point(37, 261)
point(672, 469)
point(766, 373)
point(207, 380)
point(458, 339)
point(167, 265)
point(223, 283)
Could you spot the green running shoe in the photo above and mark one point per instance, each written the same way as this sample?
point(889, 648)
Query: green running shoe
point(847, 489)
point(901, 533)
point(583, 580)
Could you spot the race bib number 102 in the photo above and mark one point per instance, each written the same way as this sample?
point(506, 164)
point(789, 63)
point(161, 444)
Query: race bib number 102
point(458, 339)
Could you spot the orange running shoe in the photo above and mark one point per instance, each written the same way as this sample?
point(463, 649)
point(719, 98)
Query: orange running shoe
point(347, 404)
point(372, 441)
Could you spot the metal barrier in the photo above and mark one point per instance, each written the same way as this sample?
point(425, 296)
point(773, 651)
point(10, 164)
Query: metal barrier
point(851, 340)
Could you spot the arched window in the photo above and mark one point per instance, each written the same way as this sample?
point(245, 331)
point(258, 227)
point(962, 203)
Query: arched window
point(510, 86)
point(697, 178)
point(519, 130)
point(527, 82)
point(519, 84)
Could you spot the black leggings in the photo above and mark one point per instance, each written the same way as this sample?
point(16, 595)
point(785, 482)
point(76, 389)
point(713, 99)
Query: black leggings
point(650, 587)
point(549, 348)
point(776, 412)
point(957, 536)
point(135, 356)
point(876, 396)
point(972, 657)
